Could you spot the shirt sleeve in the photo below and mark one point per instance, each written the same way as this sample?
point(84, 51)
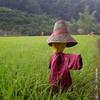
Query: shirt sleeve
point(75, 62)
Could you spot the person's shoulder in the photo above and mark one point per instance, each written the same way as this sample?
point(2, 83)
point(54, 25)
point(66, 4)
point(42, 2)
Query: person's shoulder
point(72, 55)
point(52, 55)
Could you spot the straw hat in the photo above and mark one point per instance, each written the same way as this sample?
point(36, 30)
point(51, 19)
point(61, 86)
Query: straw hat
point(61, 35)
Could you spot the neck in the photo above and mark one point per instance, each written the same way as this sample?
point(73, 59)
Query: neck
point(57, 52)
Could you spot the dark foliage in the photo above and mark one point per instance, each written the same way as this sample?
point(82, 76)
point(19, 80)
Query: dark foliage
point(66, 9)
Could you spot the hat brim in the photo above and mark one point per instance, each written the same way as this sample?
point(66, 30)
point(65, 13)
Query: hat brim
point(62, 38)
point(68, 44)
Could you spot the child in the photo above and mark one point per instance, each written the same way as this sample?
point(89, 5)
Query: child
point(60, 63)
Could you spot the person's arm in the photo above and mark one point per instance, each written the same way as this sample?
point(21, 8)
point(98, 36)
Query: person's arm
point(75, 62)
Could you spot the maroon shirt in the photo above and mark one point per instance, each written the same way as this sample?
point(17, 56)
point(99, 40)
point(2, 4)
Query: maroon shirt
point(60, 66)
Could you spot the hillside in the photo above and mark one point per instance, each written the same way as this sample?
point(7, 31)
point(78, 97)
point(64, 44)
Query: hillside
point(66, 9)
point(33, 17)
point(15, 22)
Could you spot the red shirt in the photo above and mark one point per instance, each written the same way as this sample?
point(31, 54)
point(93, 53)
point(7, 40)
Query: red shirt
point(60, 66)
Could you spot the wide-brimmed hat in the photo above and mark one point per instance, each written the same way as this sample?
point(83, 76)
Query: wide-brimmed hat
point(61, 35)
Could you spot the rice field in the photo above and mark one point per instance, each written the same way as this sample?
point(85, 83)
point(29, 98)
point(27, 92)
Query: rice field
point(24, 69)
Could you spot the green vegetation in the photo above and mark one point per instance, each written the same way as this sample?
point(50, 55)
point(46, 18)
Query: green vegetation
point(31, 17)
point(66, 9)
point(87, 22)
point(14, 22)
point(24, 69)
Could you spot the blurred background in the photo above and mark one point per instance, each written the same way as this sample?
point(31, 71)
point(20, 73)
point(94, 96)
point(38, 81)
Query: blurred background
point(37, 17)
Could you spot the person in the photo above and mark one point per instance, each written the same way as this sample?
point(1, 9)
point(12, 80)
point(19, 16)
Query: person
point(61, 63)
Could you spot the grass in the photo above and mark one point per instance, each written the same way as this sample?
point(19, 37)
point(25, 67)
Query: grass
point(24, 69)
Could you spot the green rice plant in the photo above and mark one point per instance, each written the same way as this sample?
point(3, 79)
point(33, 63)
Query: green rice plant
point(24, 69)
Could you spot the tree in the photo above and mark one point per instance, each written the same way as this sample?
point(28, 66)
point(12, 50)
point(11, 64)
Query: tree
point(87, 21)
